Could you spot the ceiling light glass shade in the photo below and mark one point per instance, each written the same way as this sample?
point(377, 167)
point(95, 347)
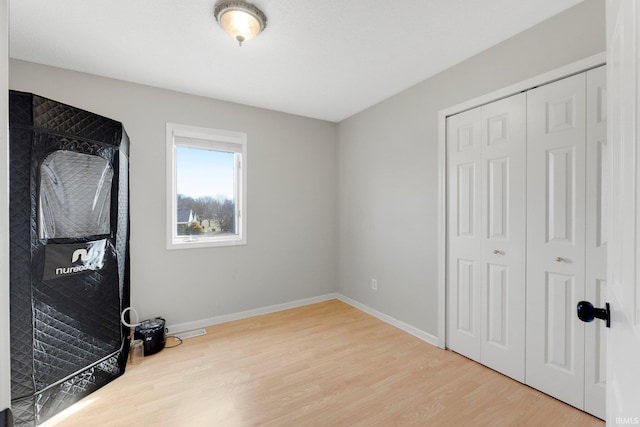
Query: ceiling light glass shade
point(241, 20)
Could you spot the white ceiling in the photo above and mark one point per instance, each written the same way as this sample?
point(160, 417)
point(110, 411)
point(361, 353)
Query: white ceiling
point(326, 59)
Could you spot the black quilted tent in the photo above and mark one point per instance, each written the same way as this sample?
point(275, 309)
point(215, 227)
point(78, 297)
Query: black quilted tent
point(69, 248)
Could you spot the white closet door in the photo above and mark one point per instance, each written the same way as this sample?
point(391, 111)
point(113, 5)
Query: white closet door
point(556, 238)
point(464, 232)
point(597, 211)
point(504, 228)
point(486, 149)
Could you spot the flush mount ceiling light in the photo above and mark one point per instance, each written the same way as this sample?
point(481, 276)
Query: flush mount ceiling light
point(241, 20)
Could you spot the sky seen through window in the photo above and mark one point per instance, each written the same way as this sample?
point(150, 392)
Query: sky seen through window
point(203, 172)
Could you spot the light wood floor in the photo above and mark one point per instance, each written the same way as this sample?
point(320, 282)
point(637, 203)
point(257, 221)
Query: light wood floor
point(326, 364)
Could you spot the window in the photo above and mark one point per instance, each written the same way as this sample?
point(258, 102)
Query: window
point(206, 191)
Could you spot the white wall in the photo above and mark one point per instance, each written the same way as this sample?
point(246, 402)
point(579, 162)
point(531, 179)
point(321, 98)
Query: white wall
point(388, 165)
point(5, 373)
point(292, 183)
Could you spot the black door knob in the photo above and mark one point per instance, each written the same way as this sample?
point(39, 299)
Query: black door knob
point(586, 312)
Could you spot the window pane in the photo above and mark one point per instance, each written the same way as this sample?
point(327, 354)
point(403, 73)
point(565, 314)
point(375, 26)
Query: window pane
point(205, 188)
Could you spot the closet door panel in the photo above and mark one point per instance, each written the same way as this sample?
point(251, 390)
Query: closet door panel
point(464, 249)
point(556, 238)
point(497, 198)
point(597, 202)
point(503, 227)
point(559, 333)
point(560, 180)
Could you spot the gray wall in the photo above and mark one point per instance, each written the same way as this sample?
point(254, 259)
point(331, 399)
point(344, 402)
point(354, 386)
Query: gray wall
point(5, 373)
point(292, 183)
point(389, 173)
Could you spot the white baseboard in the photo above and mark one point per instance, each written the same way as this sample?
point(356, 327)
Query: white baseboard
point(203, 323)
point(418, 333)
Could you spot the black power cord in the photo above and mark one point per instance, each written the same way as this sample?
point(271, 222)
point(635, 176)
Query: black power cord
point(175, 338)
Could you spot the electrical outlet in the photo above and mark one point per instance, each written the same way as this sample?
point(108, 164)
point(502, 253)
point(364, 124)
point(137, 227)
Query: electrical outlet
point(374, 284)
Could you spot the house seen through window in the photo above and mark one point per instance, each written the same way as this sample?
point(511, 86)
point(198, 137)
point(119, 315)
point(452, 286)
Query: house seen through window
point(207, 187)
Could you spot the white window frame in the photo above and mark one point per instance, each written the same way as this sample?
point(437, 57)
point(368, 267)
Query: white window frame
point(209, 139)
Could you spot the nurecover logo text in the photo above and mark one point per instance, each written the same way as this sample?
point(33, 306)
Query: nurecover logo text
point(79, 254)
point(90, 257)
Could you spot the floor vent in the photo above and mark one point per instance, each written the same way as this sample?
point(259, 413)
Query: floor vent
point(191, 334)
